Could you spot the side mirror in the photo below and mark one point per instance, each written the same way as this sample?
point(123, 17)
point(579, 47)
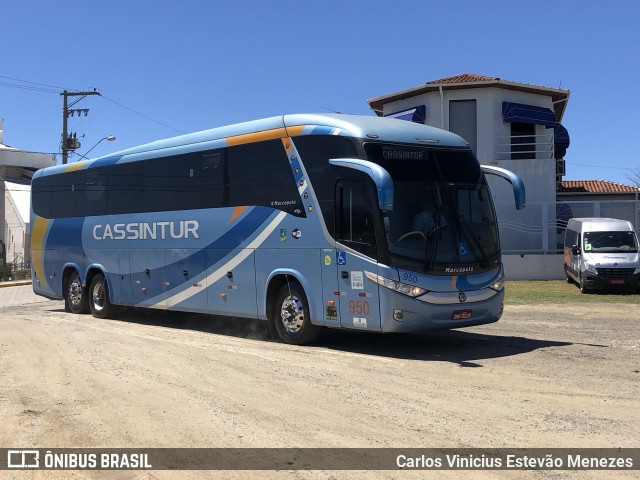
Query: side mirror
point(379, 175)
point(513, 179)
point(575, 250)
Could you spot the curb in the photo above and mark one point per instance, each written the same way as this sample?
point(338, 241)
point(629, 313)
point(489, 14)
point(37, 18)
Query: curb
point(15, 283)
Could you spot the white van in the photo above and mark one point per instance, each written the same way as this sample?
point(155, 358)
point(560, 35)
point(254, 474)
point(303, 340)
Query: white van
point(601, 253)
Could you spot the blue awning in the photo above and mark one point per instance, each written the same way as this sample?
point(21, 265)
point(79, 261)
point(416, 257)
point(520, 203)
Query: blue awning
point(518, 112)
point(561, 140)
point(416, 114)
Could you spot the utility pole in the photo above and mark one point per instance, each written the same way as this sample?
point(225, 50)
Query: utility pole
point(70, 141)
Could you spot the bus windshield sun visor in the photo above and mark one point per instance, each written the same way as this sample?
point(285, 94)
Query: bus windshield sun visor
point(380, 177)
point(509, 176)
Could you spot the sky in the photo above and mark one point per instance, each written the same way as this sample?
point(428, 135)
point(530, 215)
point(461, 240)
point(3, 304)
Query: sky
point(167, 68)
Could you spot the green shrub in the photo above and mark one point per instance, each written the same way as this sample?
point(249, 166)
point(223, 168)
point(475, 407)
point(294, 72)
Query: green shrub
point(5, 270)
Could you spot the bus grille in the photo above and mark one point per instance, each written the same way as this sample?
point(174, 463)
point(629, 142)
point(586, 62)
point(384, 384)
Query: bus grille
point(615, 272)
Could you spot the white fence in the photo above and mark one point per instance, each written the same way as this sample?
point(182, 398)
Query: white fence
point(540, 227)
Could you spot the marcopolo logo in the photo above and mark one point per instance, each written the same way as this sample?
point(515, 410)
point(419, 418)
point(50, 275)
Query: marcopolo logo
point(23, 458)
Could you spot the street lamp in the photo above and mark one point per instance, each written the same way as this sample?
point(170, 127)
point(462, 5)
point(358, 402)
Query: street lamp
point(108, 138)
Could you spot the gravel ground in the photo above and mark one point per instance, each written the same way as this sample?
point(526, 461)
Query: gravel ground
point(544, 376)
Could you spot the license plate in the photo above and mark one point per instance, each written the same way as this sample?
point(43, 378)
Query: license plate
point(617, 281)
point(461, 314)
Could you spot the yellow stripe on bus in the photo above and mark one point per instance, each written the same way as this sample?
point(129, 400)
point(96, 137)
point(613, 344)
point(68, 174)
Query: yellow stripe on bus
point(72, 167)
point(38, 232)
point(256, 137)
point(265, 135)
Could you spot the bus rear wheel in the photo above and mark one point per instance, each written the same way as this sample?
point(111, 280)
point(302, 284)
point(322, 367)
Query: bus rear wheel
point(99, 303)
point(75, 297)
point(291, 316)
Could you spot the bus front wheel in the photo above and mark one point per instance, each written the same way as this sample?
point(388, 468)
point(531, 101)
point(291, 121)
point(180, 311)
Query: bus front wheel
point(75, 297)
point(291, 316)
point(99, 302)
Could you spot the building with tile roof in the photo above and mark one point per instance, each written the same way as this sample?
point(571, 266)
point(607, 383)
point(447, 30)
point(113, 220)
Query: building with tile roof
point(516, 126)
point(466, 81)
point(507, 124)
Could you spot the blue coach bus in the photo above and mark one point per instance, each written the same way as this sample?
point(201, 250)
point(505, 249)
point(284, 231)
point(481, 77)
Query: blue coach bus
point(306, 221)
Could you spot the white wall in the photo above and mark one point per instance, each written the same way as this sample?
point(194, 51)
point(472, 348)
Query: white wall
point(15, 229)
point(533, 267)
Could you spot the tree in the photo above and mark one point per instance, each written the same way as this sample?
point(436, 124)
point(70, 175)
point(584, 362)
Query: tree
point(634, 176)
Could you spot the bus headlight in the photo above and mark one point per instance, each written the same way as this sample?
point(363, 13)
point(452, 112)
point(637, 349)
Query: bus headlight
point(404, 288)
point(498, 284)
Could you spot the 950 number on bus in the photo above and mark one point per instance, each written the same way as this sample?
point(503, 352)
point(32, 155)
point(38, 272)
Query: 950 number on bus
point(359, 307)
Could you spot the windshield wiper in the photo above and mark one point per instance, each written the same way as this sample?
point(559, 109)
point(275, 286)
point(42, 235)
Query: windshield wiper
point(431, 249)
point(469, 234)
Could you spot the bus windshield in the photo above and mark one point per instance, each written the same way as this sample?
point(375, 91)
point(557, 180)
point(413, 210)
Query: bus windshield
point(610, 242)
point(443, 220)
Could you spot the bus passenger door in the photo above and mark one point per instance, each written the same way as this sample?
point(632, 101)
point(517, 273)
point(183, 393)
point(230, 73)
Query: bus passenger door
point(355, 228)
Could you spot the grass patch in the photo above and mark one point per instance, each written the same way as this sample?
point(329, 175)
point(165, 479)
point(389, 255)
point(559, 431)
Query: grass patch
point(559, 291)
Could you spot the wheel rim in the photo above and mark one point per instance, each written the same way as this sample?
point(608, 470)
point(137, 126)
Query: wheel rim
point(292, 314)
point(98, 296)
point(75, 292)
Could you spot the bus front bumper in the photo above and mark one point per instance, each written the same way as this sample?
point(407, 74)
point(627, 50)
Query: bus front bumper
point(402, 314)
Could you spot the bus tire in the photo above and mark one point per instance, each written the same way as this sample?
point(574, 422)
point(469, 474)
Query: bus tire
point(99, 303)
point(291, 317)
point(75, 297)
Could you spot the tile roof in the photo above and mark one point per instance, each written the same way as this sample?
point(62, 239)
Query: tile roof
point(466, 81)
point(595, 186)
point(463, 78)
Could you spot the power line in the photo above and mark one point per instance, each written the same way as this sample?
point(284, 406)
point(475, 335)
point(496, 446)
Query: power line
point(33, 83)
point(28, 87)
point(599, 166)
point(46, 88)
point(143, 115)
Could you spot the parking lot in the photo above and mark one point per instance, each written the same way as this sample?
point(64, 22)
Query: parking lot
point(543, 376)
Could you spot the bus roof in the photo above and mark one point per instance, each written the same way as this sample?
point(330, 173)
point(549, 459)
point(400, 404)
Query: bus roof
point(358, 126)
point(388, 129)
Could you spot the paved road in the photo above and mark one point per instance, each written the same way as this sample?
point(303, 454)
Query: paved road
point(16, 295)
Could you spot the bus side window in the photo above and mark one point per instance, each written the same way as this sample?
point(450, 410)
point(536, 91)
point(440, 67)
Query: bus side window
point(260, 174)
point(90, 194)
point(41, 196)
point(354, 219)
point(206, 179)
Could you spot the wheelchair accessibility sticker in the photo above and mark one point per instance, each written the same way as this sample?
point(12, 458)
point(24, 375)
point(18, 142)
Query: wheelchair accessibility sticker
point(341, 258)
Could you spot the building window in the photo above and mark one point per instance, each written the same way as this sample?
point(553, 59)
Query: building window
point(523, 146)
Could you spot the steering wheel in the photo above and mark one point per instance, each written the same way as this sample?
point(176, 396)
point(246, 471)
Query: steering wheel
point(413, 232)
